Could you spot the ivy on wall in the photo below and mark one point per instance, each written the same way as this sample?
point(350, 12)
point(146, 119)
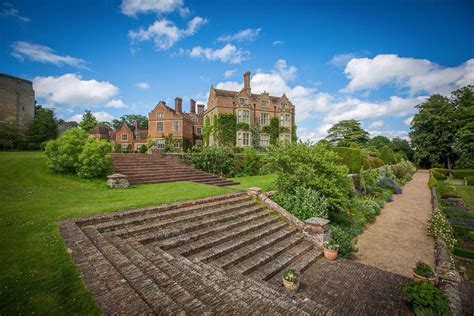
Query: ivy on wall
point(242, 126)
point(273, 129)
point(225, 129)
point(294, 138)
point(206, 131)
point(255, 134)
point(284, 130)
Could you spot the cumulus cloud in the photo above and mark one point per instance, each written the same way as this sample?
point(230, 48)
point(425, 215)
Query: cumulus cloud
point(71, 89)
point(164, 33)
point(229, 73)
point(133, 7)
point(143, 85)
point(44, 54)
point(9, 10)
point(101, 116)
point(116, 103)
point(376, 124)
point(417, 75)
point(246, 35)
point(278, 42)
point(227, 54)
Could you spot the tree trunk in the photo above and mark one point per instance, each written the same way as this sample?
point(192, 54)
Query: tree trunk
point(448, 161)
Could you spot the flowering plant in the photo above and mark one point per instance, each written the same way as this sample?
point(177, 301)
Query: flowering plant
point(439, 226)
point(291, 275)
point(331, 245)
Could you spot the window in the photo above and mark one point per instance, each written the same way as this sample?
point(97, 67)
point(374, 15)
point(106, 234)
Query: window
point(285, 119)
point(159, 114)
point(264, 119)
point(176, 144)
point(286, 138)
point(243, 139)
point(124, 137)
point(160, 126)
point(198, 130)
point(160, 143)
point(265, 103)
point(284, 106)
point(242, 100)
point(264, 140)
point(175, 126)
point(243, 116)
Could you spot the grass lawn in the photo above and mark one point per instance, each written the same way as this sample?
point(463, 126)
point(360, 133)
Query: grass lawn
point(37, 275)
point(467, 193)
point(265, 182)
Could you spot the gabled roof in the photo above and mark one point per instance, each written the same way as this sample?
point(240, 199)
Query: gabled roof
point(233, 94)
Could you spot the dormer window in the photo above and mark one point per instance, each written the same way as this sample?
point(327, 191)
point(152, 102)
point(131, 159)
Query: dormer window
point(264, 103)
point(242, 100)
point(284, 106)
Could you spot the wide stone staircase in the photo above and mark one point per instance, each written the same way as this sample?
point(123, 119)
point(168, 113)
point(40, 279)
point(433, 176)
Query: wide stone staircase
point(156, 168)
point(208, 256)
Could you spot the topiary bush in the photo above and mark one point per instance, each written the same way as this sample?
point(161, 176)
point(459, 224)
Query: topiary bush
point(387, 155)
point(304, 203)
point(311, 166)
point(143, 149)
point(63, 153)
point(375, 162)
point(217, 160)
point(350, 157)
point(95, 160)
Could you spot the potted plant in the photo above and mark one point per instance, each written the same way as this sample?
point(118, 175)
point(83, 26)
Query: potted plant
point(291, 280)
point(424, 272)
point(426, 299)
point(330, 249)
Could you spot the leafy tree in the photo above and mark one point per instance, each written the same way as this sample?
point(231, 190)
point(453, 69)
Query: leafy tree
point(88, 121)
point(95, 159)
point(63, 153)
point(130, 119)
point(10, 136)
point(463, 99)
point(400, 145)
point(379, 141)
point(387, 155)
point(345, 132)
point(44, 126)
point(105, 123)
point(433, 131)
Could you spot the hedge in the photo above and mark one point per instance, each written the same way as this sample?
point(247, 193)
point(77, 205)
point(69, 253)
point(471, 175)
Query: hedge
point(442, 173)
point(350, 157)
point(375, 162)
point(462, 252)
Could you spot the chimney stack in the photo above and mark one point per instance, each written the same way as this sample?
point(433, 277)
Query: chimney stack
point(178, 104)
point(247, 81)
point(192, 106)
point(201, 109)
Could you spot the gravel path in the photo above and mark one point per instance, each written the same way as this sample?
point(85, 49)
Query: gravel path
point(397, 240)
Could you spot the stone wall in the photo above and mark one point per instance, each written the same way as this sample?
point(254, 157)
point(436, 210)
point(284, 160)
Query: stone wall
point(17, 100)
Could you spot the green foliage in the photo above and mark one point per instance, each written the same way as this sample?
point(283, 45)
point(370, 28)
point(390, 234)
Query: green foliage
point(375, 162)
point(389, 183)
point(242, 126)
point(251, 163)
point(344, 238)
point(291, 275)
point(387, 155)
point(43, 128)
point(403, 147)
point(463, 252)
point(331, 244)
point(441, 173)
point(225, 129)
point(439, 226)
point(463, 99)
point(130, 119)
point(117, 148)
point(255, 134)
point(217, 160)
point(294, 138)
point(432, 182)
point(379, 141)
point(310, 166)
point(345, 132)
point(143, 149)
point(350, 157)
point(88, 121)
point(10, 136)
point(424, 270)
point(403, 170)
point(284, 129)
point(427, 298)
point(63, 153)
point(95, 159)
point(207, 130)
point(303, 203)
point(273, 129)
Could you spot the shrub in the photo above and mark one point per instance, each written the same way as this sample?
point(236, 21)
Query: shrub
point(343, 238)
point(217, 160)
point(424, 270)
point(250, 163)
point(387, 155)
point(310, 166)
point(389, 183)
point(95, 159)
point(304, 203)
point(427, 298)
point(117, 148)
point(350, 157)
point(291, 275)
point(331, 244)
point(63, 153)
point(375, 162)
point(403, 170)
point(432, 182)
point(143, 149)
point(465, 253)
point(439, 226)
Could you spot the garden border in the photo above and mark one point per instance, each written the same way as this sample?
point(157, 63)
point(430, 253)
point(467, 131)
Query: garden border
point(449, 279)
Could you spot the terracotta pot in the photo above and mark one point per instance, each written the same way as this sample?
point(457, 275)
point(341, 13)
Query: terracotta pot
point(417, 278)
point(290, 286)
point(330, 255)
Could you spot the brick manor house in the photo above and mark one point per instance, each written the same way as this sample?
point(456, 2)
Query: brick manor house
point(181, 130)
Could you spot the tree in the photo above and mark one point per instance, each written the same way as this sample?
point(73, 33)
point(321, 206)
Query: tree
point(88, 121)
point(463, 99)
point(400, 145)
point(433, 131)
point(387, 155)
point(130, 119)
point(379, 141)
point(43, 128)
point(345, 132)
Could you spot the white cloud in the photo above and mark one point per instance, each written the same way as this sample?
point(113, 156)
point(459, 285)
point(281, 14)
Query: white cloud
point(44, 54)
point(376, 124)
point(229, 73)
point(278, 42)
point(116, 103)
point(408, 121)
point(164, 33)
point(341, 59)
point(9, 10)
point(71, 89)
point(242, 36)
point(227, 54)
point(101, 116)
point(143, 85)
point(132, 7)
point(287, 72)
point(417, 75)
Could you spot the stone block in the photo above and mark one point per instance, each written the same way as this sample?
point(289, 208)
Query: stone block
point(317, 229)
point(254, 191)
point(117, 181)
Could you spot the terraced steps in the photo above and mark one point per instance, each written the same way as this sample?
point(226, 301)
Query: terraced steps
point(146, 169)
point(209, 256)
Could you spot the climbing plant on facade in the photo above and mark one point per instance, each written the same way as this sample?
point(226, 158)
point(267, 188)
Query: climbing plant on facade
point(273, 129)
point(255, 134)
point(225, 129)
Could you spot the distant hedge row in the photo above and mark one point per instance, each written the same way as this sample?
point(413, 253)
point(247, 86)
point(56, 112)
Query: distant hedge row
point(355, 159)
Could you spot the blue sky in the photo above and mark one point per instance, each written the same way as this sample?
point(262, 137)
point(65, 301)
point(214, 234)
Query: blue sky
point(368, 60)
